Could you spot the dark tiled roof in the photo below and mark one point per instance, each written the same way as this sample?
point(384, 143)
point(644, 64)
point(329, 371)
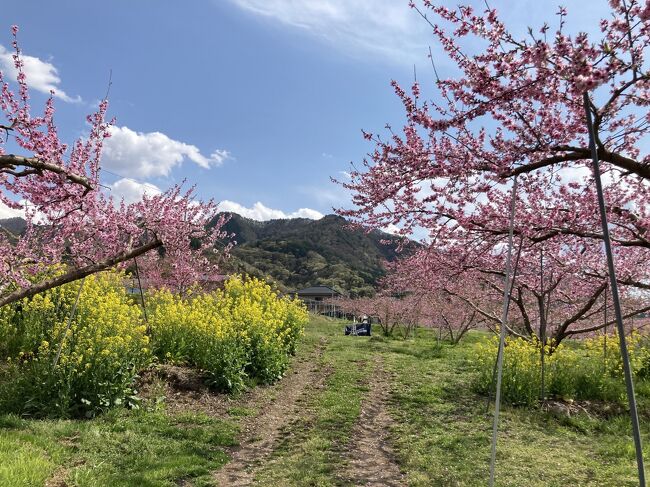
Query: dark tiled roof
point(317, 290)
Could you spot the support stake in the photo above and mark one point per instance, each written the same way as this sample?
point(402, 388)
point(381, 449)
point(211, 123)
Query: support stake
point(65, 332)
point(144, 308)
point(502, 334)
point(494, 369)
point(629, 383)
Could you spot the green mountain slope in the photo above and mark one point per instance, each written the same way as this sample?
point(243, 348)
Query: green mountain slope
point(297, 253)
point(12, 227)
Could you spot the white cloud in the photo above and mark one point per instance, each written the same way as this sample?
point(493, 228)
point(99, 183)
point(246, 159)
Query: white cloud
point(260, 212)
point(22, 212)
point(385, 27)
point(6, 212)
point(132, 191)
point(392, 229)
point(41, 76)
point(152, 154)
point(306, 213)
point(574, 173)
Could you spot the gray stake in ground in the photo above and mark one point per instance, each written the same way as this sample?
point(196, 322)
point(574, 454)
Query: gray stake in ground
point(502, 335)
point(629, 383)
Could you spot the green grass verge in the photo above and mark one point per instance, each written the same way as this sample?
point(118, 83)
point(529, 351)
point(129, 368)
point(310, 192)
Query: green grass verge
point(443, 433)
point(122, 448)
point(119, 449)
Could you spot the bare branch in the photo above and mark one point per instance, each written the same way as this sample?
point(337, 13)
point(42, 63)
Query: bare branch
point(76, 274)
point(9, 162)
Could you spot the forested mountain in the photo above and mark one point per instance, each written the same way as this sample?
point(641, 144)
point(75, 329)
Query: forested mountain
point(12, 227)
point(298, 252)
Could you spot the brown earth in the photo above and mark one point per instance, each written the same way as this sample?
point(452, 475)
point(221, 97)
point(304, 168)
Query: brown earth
point(276, 406)
point(371, 458)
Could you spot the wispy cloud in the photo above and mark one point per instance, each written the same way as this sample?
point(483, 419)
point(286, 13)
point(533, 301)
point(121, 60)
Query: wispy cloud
point(152, 154)
point(326, 195)
point(387, 28)
point(41, 75)
point(260, 212)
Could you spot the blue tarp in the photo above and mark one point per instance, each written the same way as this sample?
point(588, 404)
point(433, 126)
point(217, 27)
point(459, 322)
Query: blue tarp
point(363, 329)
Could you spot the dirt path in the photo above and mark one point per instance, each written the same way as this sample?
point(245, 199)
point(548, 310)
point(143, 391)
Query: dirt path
point(276, 410)
point(372, 462)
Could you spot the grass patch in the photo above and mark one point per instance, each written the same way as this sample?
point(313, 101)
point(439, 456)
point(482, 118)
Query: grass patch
point(443, 433)
point(440, 432)
point(26, 459)
point(119, 449)
point(239, 412)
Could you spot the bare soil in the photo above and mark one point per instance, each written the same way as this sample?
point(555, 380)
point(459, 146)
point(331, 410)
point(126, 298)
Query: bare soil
point(58, 479)
point(371, 458)
point(266, 415)
point(277, 406)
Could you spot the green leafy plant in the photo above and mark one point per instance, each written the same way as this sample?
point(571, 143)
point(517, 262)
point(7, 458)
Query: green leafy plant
point(79, 367)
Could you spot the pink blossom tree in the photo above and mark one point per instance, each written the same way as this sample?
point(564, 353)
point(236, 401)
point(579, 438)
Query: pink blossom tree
point(70, 220)
point(555, 295)
point(516, 109)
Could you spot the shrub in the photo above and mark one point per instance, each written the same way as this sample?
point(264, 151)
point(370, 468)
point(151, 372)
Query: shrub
point(573, 371)
point(194, 331)
point(24, 325)
point(242, 332)
point(100, 354)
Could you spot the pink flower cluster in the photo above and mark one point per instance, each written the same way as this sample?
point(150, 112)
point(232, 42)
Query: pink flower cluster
point(71, 221)
point(516, 109)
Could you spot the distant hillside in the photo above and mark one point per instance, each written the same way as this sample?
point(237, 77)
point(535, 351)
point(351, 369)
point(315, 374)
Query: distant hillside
point(15, 225)
point(298, 252)
point(12, 227)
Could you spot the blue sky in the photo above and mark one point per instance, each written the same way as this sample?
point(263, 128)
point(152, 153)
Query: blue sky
point(257, 102)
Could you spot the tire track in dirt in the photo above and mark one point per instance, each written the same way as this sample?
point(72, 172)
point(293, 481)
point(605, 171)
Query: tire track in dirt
point(371, 458)
point(261, 432)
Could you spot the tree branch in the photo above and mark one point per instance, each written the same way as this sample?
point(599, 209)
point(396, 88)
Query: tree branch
point(76, 274)
point(603, 325)
point(577, 154)
point(9, 162)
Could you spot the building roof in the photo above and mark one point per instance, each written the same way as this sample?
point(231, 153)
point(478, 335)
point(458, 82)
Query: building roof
point(317, 291)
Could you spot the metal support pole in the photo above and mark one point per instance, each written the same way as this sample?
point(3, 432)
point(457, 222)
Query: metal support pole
point(542, 325)
point(502, 334)
point(629, 383)
point(65, 332)
point(144, 307)
point(605, 336)
point(494, 369)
